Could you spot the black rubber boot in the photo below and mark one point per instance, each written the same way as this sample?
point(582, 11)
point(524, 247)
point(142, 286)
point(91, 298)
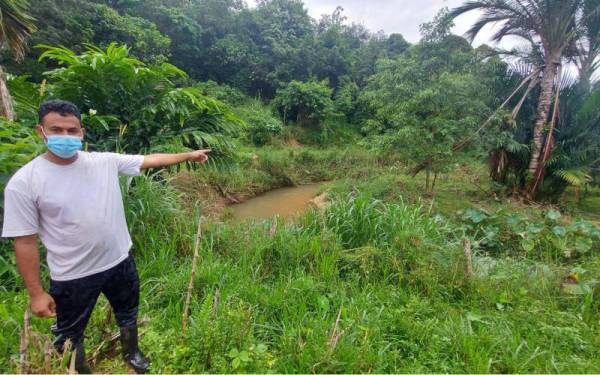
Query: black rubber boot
point(131, 352)
point(81, 364)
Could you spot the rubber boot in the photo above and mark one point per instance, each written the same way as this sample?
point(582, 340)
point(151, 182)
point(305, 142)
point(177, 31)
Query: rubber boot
point(131, 352)
point(81, 364)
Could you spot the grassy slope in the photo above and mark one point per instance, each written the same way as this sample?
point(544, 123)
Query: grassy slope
point(272, 301)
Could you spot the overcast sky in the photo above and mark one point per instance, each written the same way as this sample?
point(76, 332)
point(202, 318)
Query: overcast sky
point(398, 16)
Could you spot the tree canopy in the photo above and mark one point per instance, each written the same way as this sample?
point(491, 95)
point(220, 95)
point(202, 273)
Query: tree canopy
point(427, 100)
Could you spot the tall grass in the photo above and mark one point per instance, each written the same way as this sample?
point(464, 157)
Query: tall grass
point(365, 286)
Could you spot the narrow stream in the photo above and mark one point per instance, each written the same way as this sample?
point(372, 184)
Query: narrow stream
point(284, 202)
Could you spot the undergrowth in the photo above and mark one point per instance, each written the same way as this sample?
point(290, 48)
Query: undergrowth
point(364, 286)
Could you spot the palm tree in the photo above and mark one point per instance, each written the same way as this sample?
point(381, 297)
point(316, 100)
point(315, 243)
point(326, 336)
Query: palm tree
point(546, 24)
point(16, 25)
point(586, 51)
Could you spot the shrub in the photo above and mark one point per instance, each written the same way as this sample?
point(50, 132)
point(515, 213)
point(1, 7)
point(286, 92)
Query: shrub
point(346, 99)
point(306, 103)
point(262, 126)
point(18, 145)
point(224, 93)
point(141, 103)
point(543, 236)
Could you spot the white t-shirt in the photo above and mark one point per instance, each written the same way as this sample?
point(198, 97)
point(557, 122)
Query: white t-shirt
point(76, 209)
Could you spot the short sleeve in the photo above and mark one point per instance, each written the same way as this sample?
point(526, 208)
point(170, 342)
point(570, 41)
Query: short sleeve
point(20, 214)
point(129, 165)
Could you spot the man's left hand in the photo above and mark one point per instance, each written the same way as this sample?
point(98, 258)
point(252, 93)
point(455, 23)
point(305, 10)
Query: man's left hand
point(200, 156)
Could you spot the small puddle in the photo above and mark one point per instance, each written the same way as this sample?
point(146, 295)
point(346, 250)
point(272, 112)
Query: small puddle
point(284, 202)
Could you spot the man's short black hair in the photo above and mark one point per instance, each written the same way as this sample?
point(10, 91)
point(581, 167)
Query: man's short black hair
point(63, 107)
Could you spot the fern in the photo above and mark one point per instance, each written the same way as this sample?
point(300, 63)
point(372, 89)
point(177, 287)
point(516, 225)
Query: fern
point(574, 177)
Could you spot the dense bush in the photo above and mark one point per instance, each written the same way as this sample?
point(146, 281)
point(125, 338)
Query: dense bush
point(18, 145)
point(346, 99)
point(262, 125)
point(306, 103)
point(224, 93)
point(133, 107)
point(544, 235)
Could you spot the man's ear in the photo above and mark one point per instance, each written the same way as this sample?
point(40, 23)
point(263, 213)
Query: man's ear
point(38, 129)
point(83, 132)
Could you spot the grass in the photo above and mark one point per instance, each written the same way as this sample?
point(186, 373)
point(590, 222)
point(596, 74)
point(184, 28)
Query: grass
point(375, 283)
point(587, 206)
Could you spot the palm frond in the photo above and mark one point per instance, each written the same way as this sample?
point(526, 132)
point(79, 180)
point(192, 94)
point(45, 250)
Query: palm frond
point(574, 177)
point(16, 25)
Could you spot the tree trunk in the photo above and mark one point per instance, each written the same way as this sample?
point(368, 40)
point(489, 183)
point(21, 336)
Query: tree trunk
point(6, 107)
point(543, 109)
point(546, 152)
point(435, 174)
point(499, 165)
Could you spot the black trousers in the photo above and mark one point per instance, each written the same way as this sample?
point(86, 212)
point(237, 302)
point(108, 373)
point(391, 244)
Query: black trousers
point(75, 300)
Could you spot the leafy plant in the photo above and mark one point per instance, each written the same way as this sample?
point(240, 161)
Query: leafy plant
point(576, 156)
point(544, 235)
point(261, 124)
point(146, 107)
point(17, 26)
point(18, 145)
point(419, 113)
point(256, 356)
point(306, 103)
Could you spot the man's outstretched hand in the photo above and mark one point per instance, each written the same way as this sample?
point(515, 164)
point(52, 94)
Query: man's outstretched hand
point(200, 156)
point(164, 160)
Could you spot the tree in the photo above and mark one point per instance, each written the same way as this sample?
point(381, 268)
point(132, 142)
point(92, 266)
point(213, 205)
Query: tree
point(421, 107)
point(586, 49)
point(437, 29)
point(336, 46)
point(74, 23)
point(550, 24)
point(146, 42)
point(576, 158)
point(209, 39)
point(346, 98)
point(285, 33)
point(16, 26)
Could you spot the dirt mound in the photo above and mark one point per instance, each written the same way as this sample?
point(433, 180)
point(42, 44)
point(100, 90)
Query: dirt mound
point(319, 202)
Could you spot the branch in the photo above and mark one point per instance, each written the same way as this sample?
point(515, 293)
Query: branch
point(190, 287)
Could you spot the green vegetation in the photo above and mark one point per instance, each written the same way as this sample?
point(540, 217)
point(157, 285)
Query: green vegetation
point(558, 25)
point(395, 271)
point(421, 113)
point(456, 269)
point(139, 106)
point(305, 103)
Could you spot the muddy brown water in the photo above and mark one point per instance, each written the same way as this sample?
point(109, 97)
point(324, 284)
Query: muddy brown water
point(283, 202)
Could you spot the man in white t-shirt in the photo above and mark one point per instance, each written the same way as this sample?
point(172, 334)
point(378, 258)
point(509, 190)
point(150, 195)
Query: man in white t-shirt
point(71, 200)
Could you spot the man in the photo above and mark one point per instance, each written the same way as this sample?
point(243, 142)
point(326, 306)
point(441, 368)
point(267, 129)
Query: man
point(71, 200)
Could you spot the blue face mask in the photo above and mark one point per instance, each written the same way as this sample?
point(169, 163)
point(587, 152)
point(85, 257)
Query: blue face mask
point(63, 146)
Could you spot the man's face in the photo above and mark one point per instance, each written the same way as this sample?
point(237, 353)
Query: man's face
point(56, 124)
